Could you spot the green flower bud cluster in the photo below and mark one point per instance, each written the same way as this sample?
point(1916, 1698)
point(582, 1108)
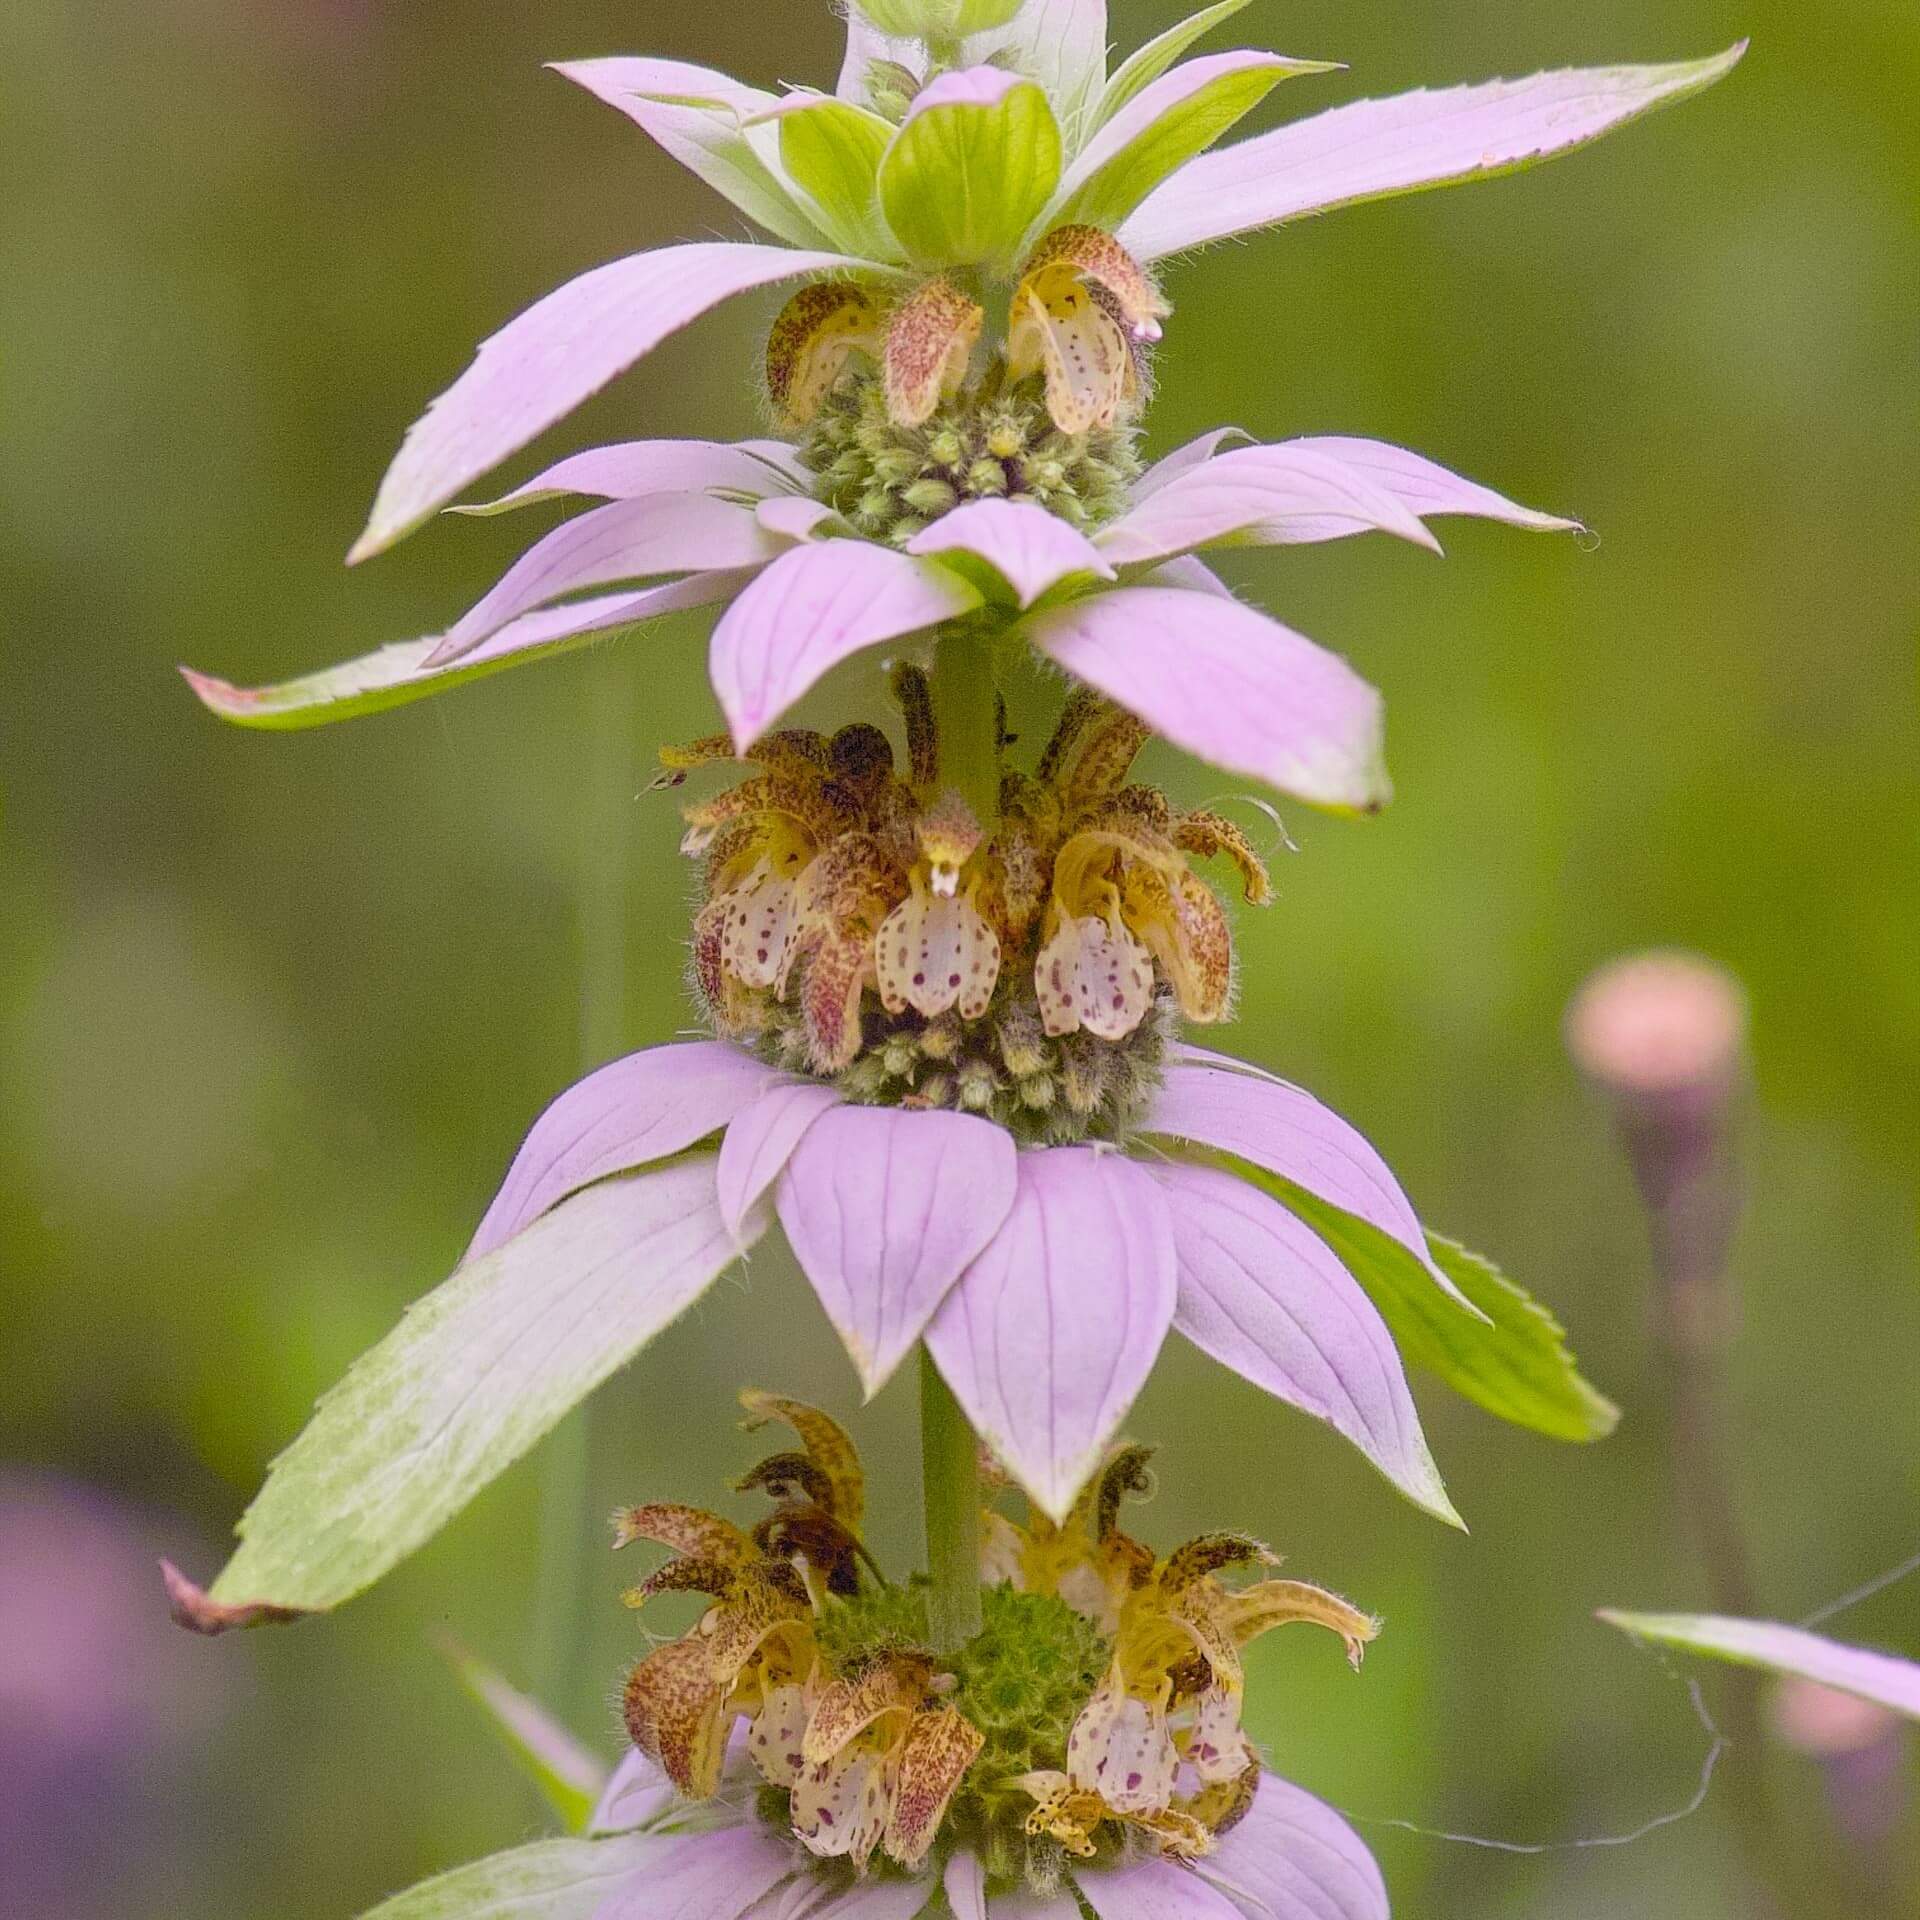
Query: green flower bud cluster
point(1022, 1681)
point(993, 443)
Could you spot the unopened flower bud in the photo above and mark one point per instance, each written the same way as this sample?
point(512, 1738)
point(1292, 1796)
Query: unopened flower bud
point(1661, 1027)
point(986, 478)
point(929, 497)
point(1664, 1036)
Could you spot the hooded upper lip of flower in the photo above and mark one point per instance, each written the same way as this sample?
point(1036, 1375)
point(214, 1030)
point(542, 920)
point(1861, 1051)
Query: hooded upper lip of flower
point(1051, 139)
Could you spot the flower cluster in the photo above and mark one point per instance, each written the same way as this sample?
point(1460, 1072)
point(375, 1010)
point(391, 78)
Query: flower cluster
point(999, 960)
point(1091, 1727)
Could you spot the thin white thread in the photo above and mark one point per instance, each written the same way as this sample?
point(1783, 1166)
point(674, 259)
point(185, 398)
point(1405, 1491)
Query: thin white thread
point(1820, 1615)
point(1717, 1747)
point(1282, 838)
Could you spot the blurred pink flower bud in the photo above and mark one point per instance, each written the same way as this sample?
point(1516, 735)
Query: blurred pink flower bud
point(1660, 1026)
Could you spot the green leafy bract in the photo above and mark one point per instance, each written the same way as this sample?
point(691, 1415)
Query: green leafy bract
point(550, 1880)
point(473, 1375)
point(1146, 64)
point(1514, 1363)
point(832, 149)
point(966, 176)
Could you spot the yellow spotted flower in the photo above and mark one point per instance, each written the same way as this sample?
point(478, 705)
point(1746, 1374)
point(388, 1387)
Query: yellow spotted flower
point(1169, 1700)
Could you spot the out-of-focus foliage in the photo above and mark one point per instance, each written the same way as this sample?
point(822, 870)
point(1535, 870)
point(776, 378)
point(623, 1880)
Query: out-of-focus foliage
point(273, 1011)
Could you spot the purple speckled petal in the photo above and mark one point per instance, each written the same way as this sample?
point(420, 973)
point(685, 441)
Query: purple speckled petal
point(1229, 684)
point(563, 348)
point(1054, 1328)
point(718, 1875)
point(885, 1209)
point(1374, 148)
point(641, 1108)
point(1424, 486)
point(631, 468)
point(629, 540)
point(812, 608)
point(760, 1141)
point(1027, 550)
point(1269, 496)
point(1294, 1858)
point(1880, 1677)
point(1287, 1131)
point(1263, 1294)
point(397, 674)
point(965, 1881)
point(1154, 1890)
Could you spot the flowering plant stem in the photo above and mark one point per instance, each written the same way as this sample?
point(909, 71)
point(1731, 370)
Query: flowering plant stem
point(950, 1468)
point(967, 711)
point(966, 706)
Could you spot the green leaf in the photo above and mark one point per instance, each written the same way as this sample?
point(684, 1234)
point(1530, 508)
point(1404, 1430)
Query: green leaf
point(551, 1880)
point(1514, 1363)
point(1879, 1677)
point(1133, 153)
point(832, 150)
point(569, 1777)
point(969, 171)
point(1145, 65)
point(472, 1376)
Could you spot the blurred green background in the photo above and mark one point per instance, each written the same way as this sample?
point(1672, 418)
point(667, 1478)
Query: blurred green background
point(275, 1010)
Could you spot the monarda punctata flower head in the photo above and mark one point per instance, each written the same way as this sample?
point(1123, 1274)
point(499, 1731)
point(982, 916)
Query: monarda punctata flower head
point(804, 1748)
point(947, 974)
